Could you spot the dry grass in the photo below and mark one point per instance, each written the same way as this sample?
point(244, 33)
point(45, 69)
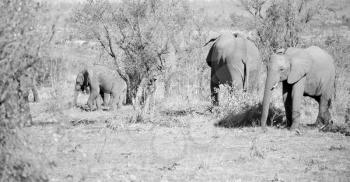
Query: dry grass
point(184, 139)
point(243, 109)
point(185, 147)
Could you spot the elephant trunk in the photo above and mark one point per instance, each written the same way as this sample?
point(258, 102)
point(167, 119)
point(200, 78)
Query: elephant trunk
point(266, 100)
point(75, 98)
point(76, 93)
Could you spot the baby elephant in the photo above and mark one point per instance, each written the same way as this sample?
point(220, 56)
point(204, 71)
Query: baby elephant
point(100, 80)
point(303, 72)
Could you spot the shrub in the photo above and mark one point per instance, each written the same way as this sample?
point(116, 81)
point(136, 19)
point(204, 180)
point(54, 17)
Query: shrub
point(280, 23)
point(20, 45)
point(138, 36)
point(238, 109)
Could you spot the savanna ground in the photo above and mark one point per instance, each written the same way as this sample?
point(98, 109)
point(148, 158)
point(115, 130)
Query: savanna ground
point(182, 145)
point(183, 139)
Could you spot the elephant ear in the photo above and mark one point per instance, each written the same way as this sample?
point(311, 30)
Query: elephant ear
point(210, 55)
point(211, 49)
point(299, 67)
point(88, 74)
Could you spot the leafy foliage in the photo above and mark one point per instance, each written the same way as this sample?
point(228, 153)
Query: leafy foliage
point(279, 23)
point(137, 35)
point(20, 45)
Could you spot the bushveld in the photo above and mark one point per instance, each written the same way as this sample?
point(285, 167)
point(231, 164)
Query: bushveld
point(178, 136)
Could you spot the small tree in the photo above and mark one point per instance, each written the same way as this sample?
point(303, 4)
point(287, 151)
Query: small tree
point(138, 31)
point(20, 45)
point(280, 23)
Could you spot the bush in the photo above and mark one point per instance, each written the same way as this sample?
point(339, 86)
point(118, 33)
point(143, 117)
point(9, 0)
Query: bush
point(138, 36)
point(20, 45)
point(239, 109)
point(282, 23)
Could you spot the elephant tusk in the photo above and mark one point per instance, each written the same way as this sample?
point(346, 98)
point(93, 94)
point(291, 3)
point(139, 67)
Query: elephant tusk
point(276, 84)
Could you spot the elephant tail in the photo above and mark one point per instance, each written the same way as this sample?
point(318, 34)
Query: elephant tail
point(242, 73)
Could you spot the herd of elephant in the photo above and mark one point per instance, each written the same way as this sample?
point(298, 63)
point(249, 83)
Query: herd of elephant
point(234, 60)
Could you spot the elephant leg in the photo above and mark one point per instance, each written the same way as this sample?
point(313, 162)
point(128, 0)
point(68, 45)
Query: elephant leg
point(324, 115)
point(237, 76)
point(214, 86)
point(106, 99)
point(99, 101)
point(121, 99)
point(35, 94)
point(119, 102)
point(102, 94)
point(75, 99)
point(287, 100)
point(93, 99)
point(113, 101)
point(297, 96)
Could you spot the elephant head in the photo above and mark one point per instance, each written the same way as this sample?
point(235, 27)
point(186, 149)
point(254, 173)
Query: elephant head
point(82, 84)
point(289, 67)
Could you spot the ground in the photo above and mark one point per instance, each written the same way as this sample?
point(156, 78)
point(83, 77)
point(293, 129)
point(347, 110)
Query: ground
point(180, 146)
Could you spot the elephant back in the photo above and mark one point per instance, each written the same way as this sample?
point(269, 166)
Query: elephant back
point(101, 69)
point(323, 67)
point(108, 72)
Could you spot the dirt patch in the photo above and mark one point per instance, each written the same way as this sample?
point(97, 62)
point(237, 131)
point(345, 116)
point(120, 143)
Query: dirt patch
point(185, 147)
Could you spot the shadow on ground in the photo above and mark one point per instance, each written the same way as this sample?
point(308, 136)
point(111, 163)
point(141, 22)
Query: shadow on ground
point(338, 128)
point(251, 117)
point(205, 110)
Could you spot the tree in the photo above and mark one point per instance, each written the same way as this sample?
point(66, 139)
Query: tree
point(280, 23)
point(136, 35)
point(20, 47)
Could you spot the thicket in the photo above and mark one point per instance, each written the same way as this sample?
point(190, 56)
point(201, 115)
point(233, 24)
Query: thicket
point(147, 41)
point(302, 23)
point(21, 42)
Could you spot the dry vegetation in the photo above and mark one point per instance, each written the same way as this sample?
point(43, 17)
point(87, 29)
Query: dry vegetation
point(168, 131)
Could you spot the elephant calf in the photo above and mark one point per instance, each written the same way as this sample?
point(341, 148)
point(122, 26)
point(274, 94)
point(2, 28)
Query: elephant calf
point(233, 60)
point(100, 80)
point(303, 72)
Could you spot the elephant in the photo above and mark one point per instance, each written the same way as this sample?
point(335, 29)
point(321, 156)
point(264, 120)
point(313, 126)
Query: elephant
point(233, 60)
point(303, 72)
point(100, 80)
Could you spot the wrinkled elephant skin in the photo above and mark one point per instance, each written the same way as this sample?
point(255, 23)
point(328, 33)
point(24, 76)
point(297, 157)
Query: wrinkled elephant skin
point(303, 72)
point(233, 59)
point(100, 81)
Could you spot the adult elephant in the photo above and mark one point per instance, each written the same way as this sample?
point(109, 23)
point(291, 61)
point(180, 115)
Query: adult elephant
point(100, 80)
point(233, 59)
point(303, 72)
